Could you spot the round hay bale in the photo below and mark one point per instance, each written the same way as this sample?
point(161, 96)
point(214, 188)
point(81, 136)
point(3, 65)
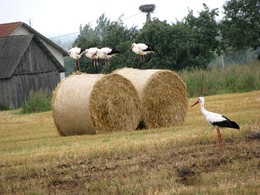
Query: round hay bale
point(90, 104)
point(163, 96)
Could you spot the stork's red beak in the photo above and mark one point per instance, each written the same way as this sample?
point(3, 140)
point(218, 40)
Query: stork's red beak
point(195, 103)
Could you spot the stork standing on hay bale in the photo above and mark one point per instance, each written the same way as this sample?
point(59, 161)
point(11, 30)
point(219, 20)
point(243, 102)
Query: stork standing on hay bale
point(76, 53)
point(91, 53)
point(142, 49)
point(216, 119)
point(106, 53)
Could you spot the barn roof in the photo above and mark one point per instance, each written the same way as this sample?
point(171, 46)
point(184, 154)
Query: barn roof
point(8, 29)
point(12, 50)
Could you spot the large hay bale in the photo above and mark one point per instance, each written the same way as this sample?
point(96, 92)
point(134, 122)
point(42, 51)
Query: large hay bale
point(163, 96)
point(90, 104)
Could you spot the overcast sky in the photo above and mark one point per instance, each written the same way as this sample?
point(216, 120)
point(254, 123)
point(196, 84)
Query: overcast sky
point(60, 17)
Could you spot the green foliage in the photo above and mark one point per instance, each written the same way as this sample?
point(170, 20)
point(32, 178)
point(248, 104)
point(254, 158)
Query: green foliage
point(4, 107)
point(203, 32)
point(233, 79)
point(191, 43)
point(38, 101)
point(240, 27)
point(107, 34)
point(69, 65)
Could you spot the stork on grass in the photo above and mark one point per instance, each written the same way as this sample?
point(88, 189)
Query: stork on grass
point(106, 54)
point(76, 53)
point(142, 50)
point(216, 120)
point(91, 53)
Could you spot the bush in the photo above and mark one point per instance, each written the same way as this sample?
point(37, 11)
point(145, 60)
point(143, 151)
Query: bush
point(38, 101)
point(4, 107)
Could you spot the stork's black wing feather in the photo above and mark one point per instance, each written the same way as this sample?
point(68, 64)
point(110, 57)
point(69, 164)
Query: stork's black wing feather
point(149, 48)
point(226, 123)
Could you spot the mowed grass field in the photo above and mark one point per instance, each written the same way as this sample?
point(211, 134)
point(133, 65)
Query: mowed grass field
point(178, 160)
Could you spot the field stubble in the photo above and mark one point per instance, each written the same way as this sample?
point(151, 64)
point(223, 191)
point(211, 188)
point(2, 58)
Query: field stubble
point(181, 159)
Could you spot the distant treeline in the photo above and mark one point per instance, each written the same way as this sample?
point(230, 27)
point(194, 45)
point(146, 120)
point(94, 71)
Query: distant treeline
point(193, 42)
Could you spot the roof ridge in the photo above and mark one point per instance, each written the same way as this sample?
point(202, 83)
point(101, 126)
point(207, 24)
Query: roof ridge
point(10, 22)
point(7, 29)
point(9, 41)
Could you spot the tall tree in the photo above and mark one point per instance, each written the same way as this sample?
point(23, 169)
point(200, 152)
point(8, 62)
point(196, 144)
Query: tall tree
point(204, 33)
point(240, 26)
point(189, 43)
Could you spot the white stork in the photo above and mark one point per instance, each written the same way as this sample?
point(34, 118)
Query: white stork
point(91, 53)
point(215, 119)
point(106, 53)
point(141, 49)
point(76, 53)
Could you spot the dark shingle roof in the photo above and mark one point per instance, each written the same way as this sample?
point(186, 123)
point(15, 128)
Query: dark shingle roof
point(12, 49)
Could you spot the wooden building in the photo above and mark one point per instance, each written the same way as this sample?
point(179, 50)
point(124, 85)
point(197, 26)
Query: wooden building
point(28, 61)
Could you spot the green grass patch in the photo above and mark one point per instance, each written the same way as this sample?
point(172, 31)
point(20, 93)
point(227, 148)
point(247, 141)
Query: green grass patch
point(38, 101)
point(233, 79)
point(4, 107)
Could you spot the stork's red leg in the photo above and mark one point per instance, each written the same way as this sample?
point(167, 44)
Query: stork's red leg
point(95, 66)
point(77, 67)
point(219, 138)
point(107, 65)
point(76, 64)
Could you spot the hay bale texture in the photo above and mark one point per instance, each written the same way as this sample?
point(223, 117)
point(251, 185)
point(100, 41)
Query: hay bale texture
point(90, 104)
point(163, 96)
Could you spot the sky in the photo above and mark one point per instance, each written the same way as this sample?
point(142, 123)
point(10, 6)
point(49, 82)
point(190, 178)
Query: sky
point(60, 17)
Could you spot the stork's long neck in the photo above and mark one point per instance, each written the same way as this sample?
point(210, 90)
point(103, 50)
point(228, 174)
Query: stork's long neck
point(203, 110)
point(81, 53)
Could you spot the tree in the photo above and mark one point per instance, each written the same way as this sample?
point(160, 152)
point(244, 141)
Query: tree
point(204, 33)
point(158, 34)
point(106, 34)
point(189, 43)
point(240, 26)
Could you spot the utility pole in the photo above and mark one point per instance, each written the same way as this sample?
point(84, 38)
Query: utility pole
point(223, 63)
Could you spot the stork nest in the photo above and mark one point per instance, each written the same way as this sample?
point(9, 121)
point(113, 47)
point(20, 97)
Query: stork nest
point(147, 8)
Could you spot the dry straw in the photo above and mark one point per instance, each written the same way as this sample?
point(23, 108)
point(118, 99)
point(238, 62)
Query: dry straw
point(163, 96)
point(90, 104)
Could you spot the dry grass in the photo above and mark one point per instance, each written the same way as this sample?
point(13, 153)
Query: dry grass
point(182, 159)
